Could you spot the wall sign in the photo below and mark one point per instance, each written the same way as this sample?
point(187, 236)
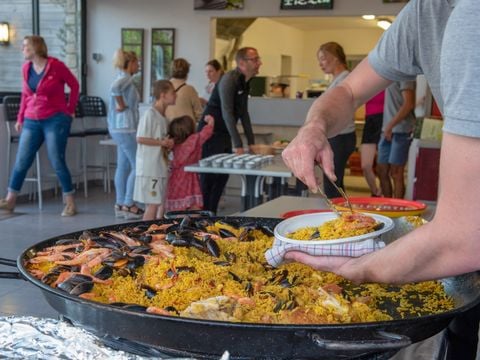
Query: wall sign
point(305, 4)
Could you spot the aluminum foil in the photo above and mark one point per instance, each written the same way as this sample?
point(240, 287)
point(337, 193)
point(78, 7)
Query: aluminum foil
point(35, 338)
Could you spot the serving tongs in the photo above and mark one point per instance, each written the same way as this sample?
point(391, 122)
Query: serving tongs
point(329, 202)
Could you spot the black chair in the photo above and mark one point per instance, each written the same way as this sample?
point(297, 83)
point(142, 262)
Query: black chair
point(11, 106)
point(93, 108)
point(94, 114)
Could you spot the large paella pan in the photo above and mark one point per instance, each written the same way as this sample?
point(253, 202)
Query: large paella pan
point(267, 318)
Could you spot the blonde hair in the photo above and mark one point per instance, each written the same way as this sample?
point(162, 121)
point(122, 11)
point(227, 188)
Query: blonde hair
point(122, 58)
point(38, 44)
point(161, 87)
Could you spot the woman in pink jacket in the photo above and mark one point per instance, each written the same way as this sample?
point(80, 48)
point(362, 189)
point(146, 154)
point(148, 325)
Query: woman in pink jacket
point(45, 116)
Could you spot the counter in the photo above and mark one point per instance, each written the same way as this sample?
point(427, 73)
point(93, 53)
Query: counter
point(278, 111)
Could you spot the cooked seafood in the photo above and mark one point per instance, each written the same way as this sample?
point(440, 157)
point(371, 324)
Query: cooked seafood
point(217, 270)
point(347, 225)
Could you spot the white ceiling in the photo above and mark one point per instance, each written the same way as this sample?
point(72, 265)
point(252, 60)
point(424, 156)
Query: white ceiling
point(328, 23)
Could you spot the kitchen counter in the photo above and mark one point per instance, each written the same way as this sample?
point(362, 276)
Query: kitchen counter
point(278, 111)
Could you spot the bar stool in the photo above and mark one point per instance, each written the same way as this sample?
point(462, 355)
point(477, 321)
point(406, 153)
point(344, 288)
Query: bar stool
point(77, 131)
point(11, 106)
point(94, 111)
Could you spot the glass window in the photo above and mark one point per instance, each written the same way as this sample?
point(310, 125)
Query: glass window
point(132, 40)
point(18, 14)
point(60, 26)
point(163, 45)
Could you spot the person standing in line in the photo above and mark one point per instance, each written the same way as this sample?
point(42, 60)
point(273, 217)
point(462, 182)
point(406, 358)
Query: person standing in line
point(151, 173)
point(122, 125)
point(398, 122)
point(228, 104)
point(187, 103)
point(214, 71)
point(437, 38)
point(44, 116)
point(332, 60)
point(184, 191)
point(370, 138)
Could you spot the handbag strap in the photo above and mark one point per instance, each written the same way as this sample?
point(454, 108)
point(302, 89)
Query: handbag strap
point(178, 88)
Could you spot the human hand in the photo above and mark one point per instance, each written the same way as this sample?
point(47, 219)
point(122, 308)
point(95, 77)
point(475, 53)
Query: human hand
point(167, 143)
point(388, 134)
point(239, 151)
point(209, 119)
point(18, 127)
point(336, 264)
point(310, 146)
point(121, 108)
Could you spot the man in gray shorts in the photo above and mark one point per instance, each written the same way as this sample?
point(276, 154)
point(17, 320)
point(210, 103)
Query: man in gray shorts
point(437, 38)
point(398, 122)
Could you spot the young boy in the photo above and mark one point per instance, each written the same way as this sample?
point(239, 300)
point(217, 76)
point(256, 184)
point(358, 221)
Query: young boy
point(151, 173)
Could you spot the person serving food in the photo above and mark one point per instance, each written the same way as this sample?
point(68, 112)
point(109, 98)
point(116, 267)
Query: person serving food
point(448, 245)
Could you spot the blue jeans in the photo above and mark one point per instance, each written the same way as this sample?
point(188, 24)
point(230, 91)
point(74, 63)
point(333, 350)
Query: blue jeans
point(125, 173)
point(54, 131)
point(394, 152)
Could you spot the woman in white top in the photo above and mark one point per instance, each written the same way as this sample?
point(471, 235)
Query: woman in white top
point(332, 60)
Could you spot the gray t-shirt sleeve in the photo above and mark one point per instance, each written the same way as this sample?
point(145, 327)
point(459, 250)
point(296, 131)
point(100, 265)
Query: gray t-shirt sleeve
point(395, 56)
point(227, 89)
point(460, 71)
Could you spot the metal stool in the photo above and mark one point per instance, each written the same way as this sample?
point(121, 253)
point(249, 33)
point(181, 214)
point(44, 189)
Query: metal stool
point(79, 133)
point(11, 106)
point(94, 110)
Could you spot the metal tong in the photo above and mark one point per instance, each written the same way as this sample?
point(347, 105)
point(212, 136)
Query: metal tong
point(340, 190)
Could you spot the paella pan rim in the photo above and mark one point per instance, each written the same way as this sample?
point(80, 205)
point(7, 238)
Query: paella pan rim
point(289, 327)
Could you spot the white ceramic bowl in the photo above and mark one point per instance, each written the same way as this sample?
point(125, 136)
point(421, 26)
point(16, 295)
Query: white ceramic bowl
point(310, 220)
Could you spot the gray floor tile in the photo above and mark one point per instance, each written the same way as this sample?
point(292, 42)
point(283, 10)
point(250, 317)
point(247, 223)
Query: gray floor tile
point(26, 301)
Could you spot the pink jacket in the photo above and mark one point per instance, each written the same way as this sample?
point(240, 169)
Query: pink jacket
point(49, 99)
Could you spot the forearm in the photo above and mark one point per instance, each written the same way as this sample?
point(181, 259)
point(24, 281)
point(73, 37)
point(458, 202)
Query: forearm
point(21, 111)
point(446, 246)
point(230, 123)
point(72, 83)
point(151, 142)
point(332, 111)
point(247, 129)
point(120, 102)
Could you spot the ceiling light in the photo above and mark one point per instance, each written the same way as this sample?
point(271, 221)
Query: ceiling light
point(4, 33)
point(384, 23)
point(368, 17)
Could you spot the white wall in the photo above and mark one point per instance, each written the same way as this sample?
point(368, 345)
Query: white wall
point(272, 40)
point(193, 29)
